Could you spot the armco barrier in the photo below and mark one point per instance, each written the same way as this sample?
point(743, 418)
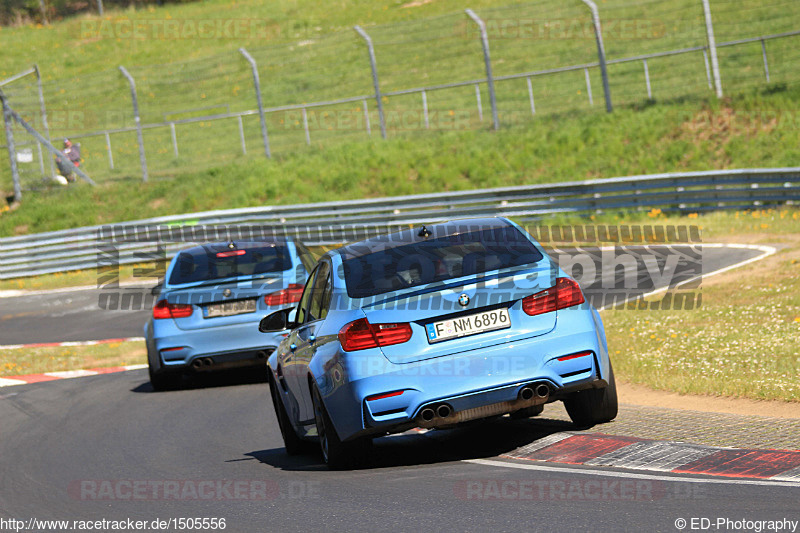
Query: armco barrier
point(336, 222)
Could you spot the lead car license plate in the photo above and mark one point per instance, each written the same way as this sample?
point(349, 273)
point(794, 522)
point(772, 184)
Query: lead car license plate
point(468, 325)
point(231, 308)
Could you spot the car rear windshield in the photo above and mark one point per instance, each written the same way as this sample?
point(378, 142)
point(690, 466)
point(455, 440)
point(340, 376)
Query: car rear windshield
point(437, 259)
point(214, 263)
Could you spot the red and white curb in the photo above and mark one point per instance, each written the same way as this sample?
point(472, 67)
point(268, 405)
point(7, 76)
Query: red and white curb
point(67, 374)
point(69, 343)
point(661, 456)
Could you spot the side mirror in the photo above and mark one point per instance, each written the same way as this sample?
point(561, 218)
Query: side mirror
point(277, 321)
point(155, 291)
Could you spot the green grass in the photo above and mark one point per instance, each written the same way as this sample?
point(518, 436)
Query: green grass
point(753, 130)
point(743, 341)
point(309, 52)
point(23, 361)
point(699, 351)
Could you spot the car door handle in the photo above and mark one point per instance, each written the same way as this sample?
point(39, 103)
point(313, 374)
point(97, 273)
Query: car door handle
point(293, 347)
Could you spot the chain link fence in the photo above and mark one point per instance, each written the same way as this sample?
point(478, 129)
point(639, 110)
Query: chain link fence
point(428, 74)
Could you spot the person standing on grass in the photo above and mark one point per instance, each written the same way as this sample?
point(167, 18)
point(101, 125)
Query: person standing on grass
point(73, 153)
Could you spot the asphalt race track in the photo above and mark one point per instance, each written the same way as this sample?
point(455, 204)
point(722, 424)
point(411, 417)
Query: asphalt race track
point(109, 448)
point(63, 440)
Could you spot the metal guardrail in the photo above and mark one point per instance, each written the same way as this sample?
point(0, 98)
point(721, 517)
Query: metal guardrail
point(143, 241)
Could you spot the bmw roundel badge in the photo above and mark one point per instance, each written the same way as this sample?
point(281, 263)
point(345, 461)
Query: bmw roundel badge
point(463, 300)
point(226, 293)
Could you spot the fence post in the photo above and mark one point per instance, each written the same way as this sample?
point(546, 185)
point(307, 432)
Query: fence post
point(712, 48)
point(138, 120)
point(257, 83)
point(45, 125)
point(174, 139)
point(479, 103)
point(425, 108)
point(588, 85)
point(12, 151)
point(647, 80)
point(486, 58)
point(708, 69)
point(601, 51)
point(530, 95)
point(241, 135)
point(100, 7)
point(372, 63)
point(305, 127)
point(366, 118)
point(764, 55)
point(110, 154)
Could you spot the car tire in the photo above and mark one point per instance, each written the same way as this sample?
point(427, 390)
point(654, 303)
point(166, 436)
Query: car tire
point(337, 455)
point(291, 442)
point(163, 381)
point(527, 412)
point(594, 406)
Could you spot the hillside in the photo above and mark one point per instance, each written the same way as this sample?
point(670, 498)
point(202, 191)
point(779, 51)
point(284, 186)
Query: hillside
point(308, 53)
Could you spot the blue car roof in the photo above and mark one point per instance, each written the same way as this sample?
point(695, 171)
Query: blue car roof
point(411, 235)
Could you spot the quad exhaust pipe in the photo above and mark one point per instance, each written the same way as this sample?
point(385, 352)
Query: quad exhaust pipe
point(442, 414)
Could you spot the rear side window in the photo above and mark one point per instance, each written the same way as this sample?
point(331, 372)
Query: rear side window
point(306, 257)
point(433, 260)
point(208, 264)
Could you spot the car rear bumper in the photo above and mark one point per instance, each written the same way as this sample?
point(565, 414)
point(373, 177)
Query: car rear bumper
point(476, 384)
point(214, 348)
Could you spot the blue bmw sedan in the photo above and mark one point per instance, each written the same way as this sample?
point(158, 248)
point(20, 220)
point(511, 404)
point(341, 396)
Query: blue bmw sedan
point(432, 327)
point(210, 303)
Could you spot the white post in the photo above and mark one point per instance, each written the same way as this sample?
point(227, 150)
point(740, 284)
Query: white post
point(530, 96)
point(305, 127)
point(588, 86)
point(712, 48)
point(425, 108)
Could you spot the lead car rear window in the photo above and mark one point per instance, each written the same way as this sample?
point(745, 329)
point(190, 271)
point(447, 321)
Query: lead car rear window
point(207, 264)
point(432, 260)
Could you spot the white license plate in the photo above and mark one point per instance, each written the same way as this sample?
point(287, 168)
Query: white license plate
point(231, 308)
point(468, 325)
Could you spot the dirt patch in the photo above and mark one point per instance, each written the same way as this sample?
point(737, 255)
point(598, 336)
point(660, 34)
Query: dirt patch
point(724, 123)
point(630, 393)
point(416, 3)
point(157, 203)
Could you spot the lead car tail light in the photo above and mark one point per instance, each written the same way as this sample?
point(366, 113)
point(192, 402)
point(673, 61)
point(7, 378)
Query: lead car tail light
point(361, 335)
point(289, 295)
point(565, 293)
point(164, 309)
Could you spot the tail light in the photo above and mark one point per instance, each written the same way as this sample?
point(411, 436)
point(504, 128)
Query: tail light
point(289, 295)
point(164, 309)
point(565, 293)
point(360, 335)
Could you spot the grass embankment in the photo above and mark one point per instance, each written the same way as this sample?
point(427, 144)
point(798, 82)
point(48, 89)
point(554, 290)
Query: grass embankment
point(759, 129)
point(743, 341)
point(312, 54)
